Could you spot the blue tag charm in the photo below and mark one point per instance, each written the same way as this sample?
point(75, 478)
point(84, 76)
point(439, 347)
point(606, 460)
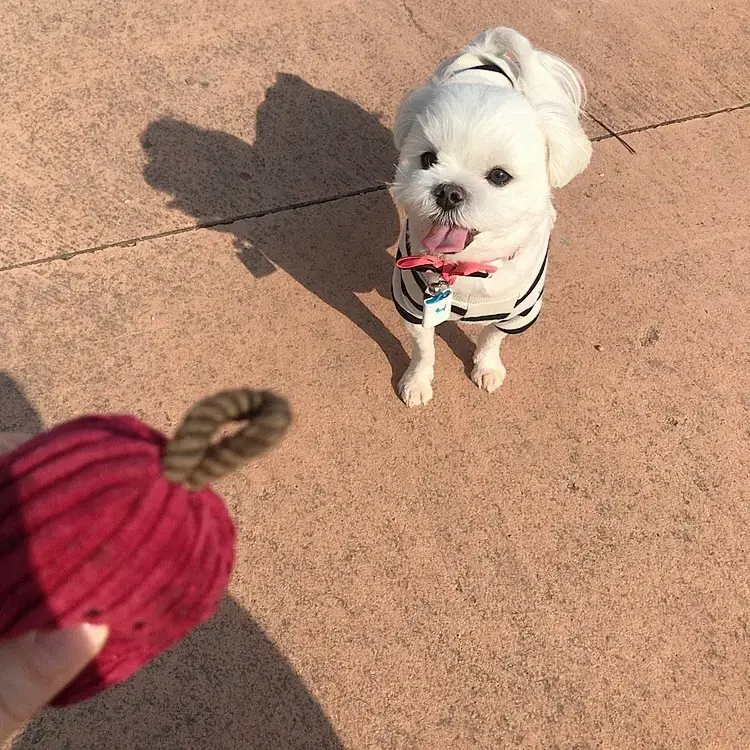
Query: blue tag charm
point(437, 304)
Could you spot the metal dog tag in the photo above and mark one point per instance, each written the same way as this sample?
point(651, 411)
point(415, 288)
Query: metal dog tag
point(437, 304)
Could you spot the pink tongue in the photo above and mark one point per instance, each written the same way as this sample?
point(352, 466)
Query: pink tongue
point(444, 239)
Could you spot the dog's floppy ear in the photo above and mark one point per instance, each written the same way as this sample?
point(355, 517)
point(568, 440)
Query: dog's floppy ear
point(555, 90)
point(411, 107)
point(569, 149)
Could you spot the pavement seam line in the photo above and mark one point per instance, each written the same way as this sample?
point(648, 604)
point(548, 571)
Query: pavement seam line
point(674, 121)
point(610, 132)
point(617, 135)
point(193, 227)
point(417, 25)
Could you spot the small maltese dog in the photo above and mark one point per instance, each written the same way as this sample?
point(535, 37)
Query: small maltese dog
point(480, 148)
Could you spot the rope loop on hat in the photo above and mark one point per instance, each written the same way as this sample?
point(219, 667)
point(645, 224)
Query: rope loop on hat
point(190, 457)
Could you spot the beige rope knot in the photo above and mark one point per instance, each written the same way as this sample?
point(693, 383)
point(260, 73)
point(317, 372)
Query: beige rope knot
point(191, 459)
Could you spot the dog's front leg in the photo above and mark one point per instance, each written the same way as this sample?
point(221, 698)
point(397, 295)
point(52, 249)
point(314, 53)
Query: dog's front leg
point(488, 372)
point(415, 387)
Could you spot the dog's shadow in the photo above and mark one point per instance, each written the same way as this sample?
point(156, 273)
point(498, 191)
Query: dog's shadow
point(308, 142)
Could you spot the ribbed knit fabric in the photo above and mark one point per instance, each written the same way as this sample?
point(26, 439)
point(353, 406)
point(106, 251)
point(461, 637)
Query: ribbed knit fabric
point(90, 531)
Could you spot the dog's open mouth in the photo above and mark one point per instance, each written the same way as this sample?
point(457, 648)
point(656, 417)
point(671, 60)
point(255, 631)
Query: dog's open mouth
point(446, 240)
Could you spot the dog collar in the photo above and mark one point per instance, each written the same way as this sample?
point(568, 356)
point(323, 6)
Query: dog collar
point(493, 68)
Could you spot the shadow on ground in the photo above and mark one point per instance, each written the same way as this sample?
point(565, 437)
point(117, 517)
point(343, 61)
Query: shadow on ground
point(226, 686)
point(308, 142)
point(16, 412)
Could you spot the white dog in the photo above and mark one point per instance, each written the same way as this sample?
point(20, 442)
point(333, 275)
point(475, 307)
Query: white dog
point(481, 147)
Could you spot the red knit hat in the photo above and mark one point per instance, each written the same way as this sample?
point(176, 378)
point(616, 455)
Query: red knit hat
point(103, 520)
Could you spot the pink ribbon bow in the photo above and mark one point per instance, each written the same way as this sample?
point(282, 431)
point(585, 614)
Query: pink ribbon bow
point(449, 271)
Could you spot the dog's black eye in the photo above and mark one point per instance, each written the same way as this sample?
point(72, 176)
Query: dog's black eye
point(428, 159)
point(498, 177)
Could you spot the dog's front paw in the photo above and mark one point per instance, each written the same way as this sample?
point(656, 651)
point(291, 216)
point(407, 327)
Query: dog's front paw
point(486, 378)
point(415, 388)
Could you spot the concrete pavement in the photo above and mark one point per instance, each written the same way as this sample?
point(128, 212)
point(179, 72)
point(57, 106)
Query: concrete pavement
point(192, 198)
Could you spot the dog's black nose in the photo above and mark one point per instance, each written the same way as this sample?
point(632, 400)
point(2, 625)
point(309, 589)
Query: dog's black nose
point(449, 195)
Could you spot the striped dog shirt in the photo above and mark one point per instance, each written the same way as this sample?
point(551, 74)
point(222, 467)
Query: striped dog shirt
point(513, 314)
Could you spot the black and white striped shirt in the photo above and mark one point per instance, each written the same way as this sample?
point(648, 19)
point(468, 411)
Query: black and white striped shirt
point(515, 314)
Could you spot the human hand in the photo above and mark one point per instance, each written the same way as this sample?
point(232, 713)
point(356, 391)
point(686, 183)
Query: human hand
point(37, 666)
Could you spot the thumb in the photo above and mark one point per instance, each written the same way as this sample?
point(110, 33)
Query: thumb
point(37, 666)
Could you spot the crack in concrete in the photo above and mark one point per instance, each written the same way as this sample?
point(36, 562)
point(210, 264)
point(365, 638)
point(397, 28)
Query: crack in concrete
point(413, 19)
point(192, 227)
point(674, 121)
point(618, 135)
point(611, 132)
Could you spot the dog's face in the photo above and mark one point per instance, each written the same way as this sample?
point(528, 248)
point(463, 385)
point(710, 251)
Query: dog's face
point(473, 157)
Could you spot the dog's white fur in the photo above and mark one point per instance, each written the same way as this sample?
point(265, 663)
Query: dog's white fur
point(476, 121)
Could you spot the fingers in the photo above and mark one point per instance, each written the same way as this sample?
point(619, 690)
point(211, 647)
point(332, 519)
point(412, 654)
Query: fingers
point(37, 666)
